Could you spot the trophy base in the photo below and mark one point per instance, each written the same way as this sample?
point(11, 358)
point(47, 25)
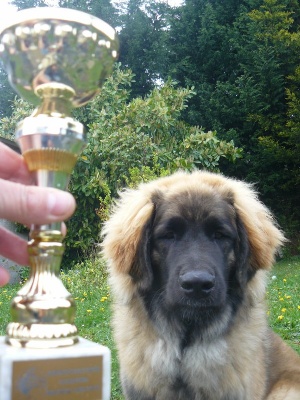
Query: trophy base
point(41, 336)
point(76, 372)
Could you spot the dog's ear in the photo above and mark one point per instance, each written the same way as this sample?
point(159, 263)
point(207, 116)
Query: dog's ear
point(141, 269)
point(124, 230)
point(263, 235)
point(244, 269)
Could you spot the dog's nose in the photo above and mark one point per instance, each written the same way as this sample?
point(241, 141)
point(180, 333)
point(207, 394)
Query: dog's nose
point(197, 283)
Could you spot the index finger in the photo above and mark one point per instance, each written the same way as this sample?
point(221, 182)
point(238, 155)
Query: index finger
point(13, 167)
point(4, 276)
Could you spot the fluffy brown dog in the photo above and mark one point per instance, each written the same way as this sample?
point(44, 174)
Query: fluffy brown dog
point(188, 257)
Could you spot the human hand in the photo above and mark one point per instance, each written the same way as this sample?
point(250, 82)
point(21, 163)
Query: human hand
point(22, 202)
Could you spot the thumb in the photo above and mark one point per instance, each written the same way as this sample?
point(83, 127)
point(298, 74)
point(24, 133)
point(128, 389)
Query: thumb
point(34, 205)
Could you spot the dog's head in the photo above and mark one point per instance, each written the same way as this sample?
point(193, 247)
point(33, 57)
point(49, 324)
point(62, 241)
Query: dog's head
point(190, 242)
point(190, 252)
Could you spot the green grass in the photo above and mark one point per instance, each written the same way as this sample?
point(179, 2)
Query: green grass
point(87, 282)
point(284, 301)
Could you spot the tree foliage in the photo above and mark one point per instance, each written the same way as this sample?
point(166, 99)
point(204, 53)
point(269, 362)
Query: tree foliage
point(275, 74)
point(143, 38)
point(242, 57)
point(6, 95)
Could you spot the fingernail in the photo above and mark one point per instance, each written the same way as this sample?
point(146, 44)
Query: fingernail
point(60, 203)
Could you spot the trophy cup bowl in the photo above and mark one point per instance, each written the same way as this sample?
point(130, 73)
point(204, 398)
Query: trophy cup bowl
point(57, 59)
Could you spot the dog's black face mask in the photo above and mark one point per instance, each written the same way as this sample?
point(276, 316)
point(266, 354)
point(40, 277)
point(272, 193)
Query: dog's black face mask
point(194, 259)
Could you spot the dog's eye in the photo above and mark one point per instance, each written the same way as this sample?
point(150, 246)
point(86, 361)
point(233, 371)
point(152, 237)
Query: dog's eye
point(222, 234)
point(170, 235)
point(166, 235)
point(218, 235)
point(219, 229)
point(171, 230)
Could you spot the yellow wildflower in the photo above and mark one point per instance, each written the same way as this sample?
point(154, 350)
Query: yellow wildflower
point(280, 317)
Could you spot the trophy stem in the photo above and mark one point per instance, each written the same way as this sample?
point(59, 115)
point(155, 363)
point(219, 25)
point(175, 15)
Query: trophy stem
point(43, 311)
point(57, 100)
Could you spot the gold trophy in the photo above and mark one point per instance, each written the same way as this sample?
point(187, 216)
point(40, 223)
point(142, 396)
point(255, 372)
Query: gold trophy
point(56, 59)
